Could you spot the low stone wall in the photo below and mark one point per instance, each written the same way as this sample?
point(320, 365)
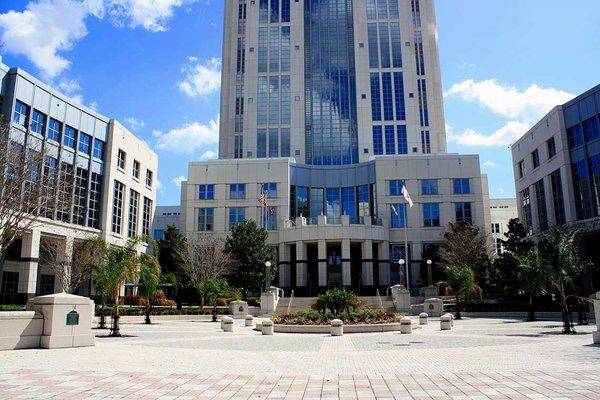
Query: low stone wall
point(139, 319)
point(327, 328)
point(20, 330)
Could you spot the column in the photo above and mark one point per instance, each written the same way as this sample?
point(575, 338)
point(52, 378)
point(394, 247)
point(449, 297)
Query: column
point(284, 266)
point(346, 270)
point(384, 264)
point(322, 256)
point(301, 272)
point(30, 253)
point(367, 266)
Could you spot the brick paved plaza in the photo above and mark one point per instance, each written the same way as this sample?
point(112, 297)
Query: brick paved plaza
point(478, 359)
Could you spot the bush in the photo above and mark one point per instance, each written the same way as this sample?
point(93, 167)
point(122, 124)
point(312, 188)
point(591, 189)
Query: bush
point(336, 301)
point(353, 317)
point(11, 307)
point(140, 311)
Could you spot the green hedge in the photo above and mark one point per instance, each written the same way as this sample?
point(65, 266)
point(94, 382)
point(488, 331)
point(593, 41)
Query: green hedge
point(139, 311)
point(355, 317)
point(11, 307)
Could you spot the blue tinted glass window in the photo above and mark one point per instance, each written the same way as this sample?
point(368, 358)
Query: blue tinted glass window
point(375, 98)
point(263, 45)
point(54, 128)
point(349, 203)
point(395, 187)
point(263, 11)
point(463, 212)
point(206, 218)
point(429, 187)
point(590, 128)
point(384, 45)
point(425, 142)
point(237, 191)
point(377, 140)
point(274, 10)
point(269, 189)
point(402, 139)
point(431, 214)
point(285, 49)
point(99, 149)
point(206, 192)
point(85, 143)
point(371, 9)
point(398, 212)
point(393, 6)
point(20, 114)
point(334, 206)
point(462, 186)
point(399, 96)
point(273, 142)
point(70, 137)
point(285, 10)
point(373, 48)
point(261, 143)
point(285, 142)
point(274, 49)
point(38, 122)
point(423, 110)
point(575, 136)
point(158, 234)
point(388, 101)
point(382, 9)
point(236, 215)
point(390, 140)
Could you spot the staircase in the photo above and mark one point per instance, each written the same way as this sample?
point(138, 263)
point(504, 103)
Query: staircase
point(373, 302)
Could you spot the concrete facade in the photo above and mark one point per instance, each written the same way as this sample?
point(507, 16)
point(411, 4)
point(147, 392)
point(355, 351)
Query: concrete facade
point(89, 144)
point(164, 216)
point(501, 212)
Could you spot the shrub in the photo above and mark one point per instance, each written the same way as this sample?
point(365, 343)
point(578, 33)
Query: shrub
point(11, 307)
point(336, 301)
point(350, 317)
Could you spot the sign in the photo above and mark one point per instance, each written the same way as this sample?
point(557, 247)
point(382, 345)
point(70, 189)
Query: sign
point(73, 318)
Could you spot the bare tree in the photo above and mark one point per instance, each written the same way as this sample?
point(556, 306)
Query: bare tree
point(31, 185)
point(207, 260)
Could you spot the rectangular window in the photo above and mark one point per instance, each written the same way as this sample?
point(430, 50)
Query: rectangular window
point(269, 220)
point(364, 205)
point(396, 41)
point(551, 147)
point(85, 143)
point(388, 100)
point(498, 246)
point(402, 139)
point(117, 212)
point(274, 11)
point(238, 149)
point(425, 142)
point(375, 98)
point(285, 142)
point(80, 196)
point(99, 149)
point(206, 219)
point(236, 215)
point(521, 168)
point(261, 143)
point(431, 214)
point(526, 208)
point(575, 136)
point(535, 158)
point(384, 45)
point(46, 285)
point(377, 140)
point(333, 206)
point(583, 195)
point(594, 163)
point(399, 96)
point(206, 192)
point(462, 186)
point(38, 122)
point(273, 142)
point(237, 191)
point(269, 189)
point(496, 228)
point(54, 130)
point(540, 200)
point(373, 48)
point(424, 113)
point(390, 140)
point(274, 50)
point(590, 128)
point(263, 46)
point(95, 201)
point(136, 169)
point(146, 217)
point(398, 212)
point(70, 137)
point(273, 100)
point(134, 200)
point(429, 187)
point(349, 203)
point(395, 187)
point(149, 178)
point(121, 159)
point(21, 113)
point(263, 11)
point(463, 212)
point(10, 283)
point(285, 10)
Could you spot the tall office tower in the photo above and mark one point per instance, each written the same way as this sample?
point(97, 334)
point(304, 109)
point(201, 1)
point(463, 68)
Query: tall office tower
point(328, 109)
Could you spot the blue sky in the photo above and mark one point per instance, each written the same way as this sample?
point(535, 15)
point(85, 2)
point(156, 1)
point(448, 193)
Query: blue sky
point(154, 65)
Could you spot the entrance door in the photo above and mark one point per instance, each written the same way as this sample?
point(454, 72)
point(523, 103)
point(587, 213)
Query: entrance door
point(334, 265)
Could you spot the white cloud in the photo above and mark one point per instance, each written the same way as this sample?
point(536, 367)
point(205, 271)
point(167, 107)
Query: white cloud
point(209, 155)
point(177, 180)
point(134, 123)
point(151, 15)
point(71, 88)
point(189, 138)
point(201, 78)
point(490, 164)
point(93, 105)
point(504, 136)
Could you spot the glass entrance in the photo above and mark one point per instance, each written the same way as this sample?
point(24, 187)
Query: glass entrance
point(334, 265)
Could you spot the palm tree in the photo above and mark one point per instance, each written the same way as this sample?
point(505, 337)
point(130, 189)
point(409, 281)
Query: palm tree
point(461, 279)
point(101, 279)
point(533, 274)
point(149, 277)
point(559, 250)
point(212, 289)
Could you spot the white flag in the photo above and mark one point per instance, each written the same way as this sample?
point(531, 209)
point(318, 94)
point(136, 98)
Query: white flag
point(407, 196)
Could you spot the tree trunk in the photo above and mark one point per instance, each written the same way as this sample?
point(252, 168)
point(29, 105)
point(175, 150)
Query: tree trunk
point(566, 317)
point(457, 314)
point(116, 331)
point(102, 324)
point(531, 316)
point(214, 316)
point(148, 311)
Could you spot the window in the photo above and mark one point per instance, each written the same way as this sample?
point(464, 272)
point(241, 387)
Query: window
point(149, 178)
point(590, 129)
point(269, 189)
point(85, 143)
point(206, 219)
point(521, 168)
point(349, 203)
point(20, 114)
point(429, 187)
point(402, 139)
point(236, 215)
point(557, 198)
point(38, 122)
point(237, 191)
point(95, 201)
point(70, 137)
point(80, 196)
point(398, 213)
point(526, 208)
point(583, 195)
point(268, 221)
point(46, 285)
point(10, 282)
point(498, 246)
point(390, 140)
point(575, 136)
point(333, 205)
point(462, 186)
point(117, 213)
point(377, 140)
point(431, 214)
point(396, 187)
point(134, 201)
point(463, 212)
point(375, 97)
point(121, 159)
point(146, 216)
point(496, 227)
point(99, 149)
point(540, 200)
point(54, 129)
point(158, 234)
point(136, 169)
point(425, 142)
point(206, 192)
point(535, 158)
point(551, 146)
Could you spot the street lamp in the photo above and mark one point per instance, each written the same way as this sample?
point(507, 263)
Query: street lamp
point(267, 267)
point(402, 263)
point(429, 273)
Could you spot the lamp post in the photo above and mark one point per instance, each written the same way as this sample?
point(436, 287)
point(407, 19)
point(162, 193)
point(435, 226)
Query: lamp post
point(267, 268)
point(402, 264)
point(429, 273)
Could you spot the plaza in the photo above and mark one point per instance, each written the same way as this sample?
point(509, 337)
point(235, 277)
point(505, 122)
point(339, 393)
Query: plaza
point(478, 359)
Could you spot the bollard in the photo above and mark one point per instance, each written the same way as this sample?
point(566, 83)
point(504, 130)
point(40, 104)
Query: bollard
point(451, 318)
point(446, 322)
point(405, 325)
point(423, 319)
point(267, 327)
point(227, 323)
point(249, 320)
point(337, 327)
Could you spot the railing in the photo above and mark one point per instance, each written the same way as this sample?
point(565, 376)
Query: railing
point(314, 221)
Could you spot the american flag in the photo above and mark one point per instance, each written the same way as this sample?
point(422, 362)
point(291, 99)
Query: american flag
point(262, 199)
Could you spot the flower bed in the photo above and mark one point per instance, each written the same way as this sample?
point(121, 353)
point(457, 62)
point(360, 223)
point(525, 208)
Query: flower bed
point(363, 316)
point(138, 311)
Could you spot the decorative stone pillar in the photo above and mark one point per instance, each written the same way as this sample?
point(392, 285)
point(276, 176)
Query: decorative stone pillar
point(367, 266)
point(384, 266)
point(322, 256)
point(30, 253)
point(301, 272)
point(285, 279)
point(346, 269)
point(596, 334)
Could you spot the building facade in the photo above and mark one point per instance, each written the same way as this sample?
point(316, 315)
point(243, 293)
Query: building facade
point(329, 108)
point(113, 189)
point(557, 171)
point(165, 216)
point(501, 212)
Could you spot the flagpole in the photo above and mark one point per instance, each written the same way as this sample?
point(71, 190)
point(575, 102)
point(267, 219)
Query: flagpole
point(407, 264)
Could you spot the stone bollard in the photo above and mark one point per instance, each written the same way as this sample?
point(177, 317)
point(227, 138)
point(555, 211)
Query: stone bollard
point(227, 323)
point(423, 319)
point(267, 327)
point(446, 322)
point(337, 327)
point(451, 318)
point(596, 335)
point(249, 320)
point(405, 325)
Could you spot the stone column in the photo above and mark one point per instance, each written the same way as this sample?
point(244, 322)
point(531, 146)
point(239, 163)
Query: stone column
point(596, 335)
point(346, 271)
point(322, 256)
point(367, 266)
point(30, 253)
point(284, 267)
point(301, 272)
point(384, 266)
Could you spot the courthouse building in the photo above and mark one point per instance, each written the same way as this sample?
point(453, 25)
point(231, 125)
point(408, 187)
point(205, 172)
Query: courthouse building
point(329, 108)
point(114, 179)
